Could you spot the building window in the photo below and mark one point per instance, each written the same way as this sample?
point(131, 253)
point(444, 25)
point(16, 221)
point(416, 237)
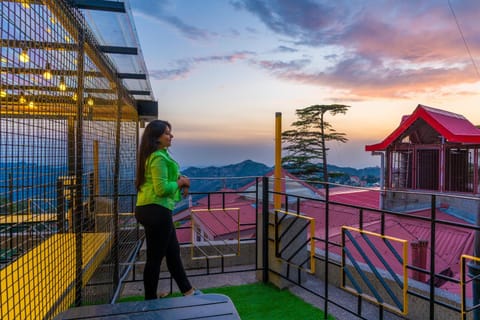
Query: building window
point(401, 177)
point(459, 169)
point(427, 169)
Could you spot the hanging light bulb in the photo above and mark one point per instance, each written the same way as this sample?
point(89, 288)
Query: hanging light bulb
point(22, 99)
point(3, 93)
point(31, 104)
point(90, 101)
point(25, 4)
point(47, 74)
point(74, 97)
point(62, 86)
point(24, 57)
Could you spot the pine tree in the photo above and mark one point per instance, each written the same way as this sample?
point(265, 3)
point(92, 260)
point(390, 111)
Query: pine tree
point(305, 150)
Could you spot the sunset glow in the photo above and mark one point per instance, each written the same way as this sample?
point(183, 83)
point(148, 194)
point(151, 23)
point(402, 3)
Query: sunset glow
point(221, 69)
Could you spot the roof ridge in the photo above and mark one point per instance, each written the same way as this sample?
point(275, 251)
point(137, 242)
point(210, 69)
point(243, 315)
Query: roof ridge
point(442, 112)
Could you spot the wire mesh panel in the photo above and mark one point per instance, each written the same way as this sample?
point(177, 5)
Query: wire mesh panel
point(67, 149)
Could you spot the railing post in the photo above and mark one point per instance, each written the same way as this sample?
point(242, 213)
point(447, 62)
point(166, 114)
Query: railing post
point(265, 206)
point(60, 206)
point(78, 189)
point(474, 270)
point(327, 222)
point(474, 273)
point(116, 232)
point(433, 217)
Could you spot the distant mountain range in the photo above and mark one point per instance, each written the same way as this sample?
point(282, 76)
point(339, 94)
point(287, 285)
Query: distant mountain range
point(237, 175)
point(369, 171)
point(232, 176)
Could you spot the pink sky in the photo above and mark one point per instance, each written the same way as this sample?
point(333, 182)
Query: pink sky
point(221, 69)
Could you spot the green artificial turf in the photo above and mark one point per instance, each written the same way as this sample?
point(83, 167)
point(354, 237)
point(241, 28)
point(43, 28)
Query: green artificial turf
point(260, 301)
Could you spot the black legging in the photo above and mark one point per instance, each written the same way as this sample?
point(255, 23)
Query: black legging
point(161, 242)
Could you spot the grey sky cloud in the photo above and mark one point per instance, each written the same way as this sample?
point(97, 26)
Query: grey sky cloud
point(159, 10)
point(386, 43)
point(285, 49)
point(277, 66)
point(185, 66)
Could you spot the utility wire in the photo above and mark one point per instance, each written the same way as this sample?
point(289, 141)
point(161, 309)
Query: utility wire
point(463, 38)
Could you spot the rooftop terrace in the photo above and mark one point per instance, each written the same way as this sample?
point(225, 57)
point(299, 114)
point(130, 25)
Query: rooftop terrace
point(70, 114)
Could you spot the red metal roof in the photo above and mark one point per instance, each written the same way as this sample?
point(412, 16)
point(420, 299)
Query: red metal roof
point(451, 241)
point(454, 127)
point(367, 198)
point(220, 223)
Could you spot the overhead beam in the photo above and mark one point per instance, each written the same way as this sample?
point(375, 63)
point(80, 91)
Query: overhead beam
point(100, 5)
point(139, 92)
point(19, 70)
point(53, 100)
point(119, 50)
point(56, 72)
point(68, 73)
point(139, 76)
point(27, 44)
point(147, 108)
point(30, 88)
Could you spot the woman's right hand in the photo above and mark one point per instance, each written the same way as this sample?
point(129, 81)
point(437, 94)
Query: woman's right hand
point(183, 181)
point(183, 184)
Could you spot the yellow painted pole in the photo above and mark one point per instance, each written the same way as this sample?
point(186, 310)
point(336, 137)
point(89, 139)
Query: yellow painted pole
point(96, 176)
point(277, 184)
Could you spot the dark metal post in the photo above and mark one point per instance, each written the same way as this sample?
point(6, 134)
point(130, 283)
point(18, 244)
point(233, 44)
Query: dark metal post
point(60, 206)
point(327, 202)
point(474, 271)
point(116, 238)
point(91, 199)
point(10, 208)
point(257, 228)
point(433, 218)
point(265, 206)
point(78, 186)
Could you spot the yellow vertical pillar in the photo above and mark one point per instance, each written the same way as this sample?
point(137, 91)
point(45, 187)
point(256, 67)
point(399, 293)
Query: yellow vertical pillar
point(277, 184)
point(96, 175)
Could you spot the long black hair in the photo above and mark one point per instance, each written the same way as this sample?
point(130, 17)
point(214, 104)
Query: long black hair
point(148, 144)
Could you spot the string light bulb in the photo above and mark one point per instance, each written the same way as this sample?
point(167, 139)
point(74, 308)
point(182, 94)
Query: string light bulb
point(25, 4)
point(47, 74)
point(24, 57)
point(74, 97)
point(22, 99)
point(3, 93)
point(90, 101)
point(62, 86)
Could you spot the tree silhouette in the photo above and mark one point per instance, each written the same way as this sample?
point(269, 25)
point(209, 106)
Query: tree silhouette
point(305, 145)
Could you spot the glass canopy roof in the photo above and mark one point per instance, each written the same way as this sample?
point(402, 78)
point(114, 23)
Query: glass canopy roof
point(112, 23)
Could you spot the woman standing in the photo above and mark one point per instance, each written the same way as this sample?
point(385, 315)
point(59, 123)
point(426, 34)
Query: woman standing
point(159, 186)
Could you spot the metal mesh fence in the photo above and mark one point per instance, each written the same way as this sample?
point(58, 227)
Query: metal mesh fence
point(67, 153)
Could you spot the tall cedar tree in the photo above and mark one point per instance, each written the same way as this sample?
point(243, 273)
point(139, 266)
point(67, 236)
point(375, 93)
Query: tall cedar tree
point(305, 145)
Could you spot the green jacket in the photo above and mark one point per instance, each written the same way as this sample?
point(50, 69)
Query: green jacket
point(160, 186)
